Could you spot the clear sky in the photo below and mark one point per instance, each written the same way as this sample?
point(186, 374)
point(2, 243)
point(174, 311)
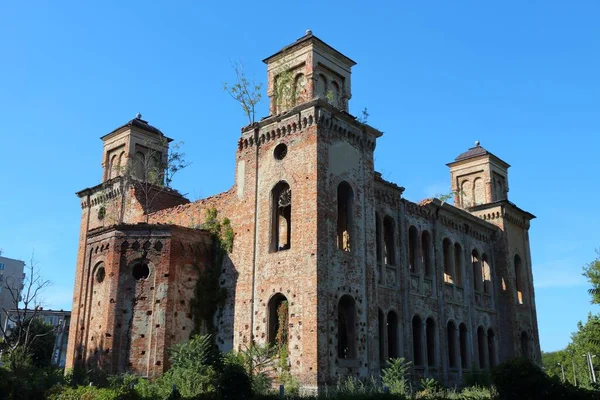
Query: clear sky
point(521, 77)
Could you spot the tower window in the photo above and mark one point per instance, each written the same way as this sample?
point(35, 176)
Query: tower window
point(412, 249)
point(280, 151)
point(100, 272)
point(519, 286)
point(281, 207)
point(346, 328)
point(278, 320)
point(378, 237)
point(345, 208)
point(140, 270)
point(389, 248)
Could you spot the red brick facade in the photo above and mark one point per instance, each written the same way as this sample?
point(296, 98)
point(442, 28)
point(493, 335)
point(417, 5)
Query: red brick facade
point(367, 275)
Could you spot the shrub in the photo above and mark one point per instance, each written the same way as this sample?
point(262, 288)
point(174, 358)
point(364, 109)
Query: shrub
point(234, 382)
point(395, 375)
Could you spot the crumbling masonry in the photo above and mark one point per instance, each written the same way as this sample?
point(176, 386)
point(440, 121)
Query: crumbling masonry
point(366, 275)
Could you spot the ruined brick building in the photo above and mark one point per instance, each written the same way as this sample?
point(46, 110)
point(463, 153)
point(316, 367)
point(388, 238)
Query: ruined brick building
point(366, 274)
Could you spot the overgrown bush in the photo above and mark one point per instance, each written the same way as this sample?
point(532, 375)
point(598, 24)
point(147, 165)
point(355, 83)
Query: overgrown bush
point(395, 375)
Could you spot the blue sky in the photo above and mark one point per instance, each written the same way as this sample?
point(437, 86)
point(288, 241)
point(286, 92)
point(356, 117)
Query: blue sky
point(521, 77)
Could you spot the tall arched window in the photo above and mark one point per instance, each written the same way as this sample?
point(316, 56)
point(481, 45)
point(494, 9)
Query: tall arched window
point(458, 264)
point(426, 253)
point(392, 334)
point(113, 167)
point(346, 328)
point(381, 332)
point(524, 344)
point(335, 95)
point(300, 89)
point(278, 320)
point(413, 249)
point(466, 194)
point(478, 192)
point(451, 335)
point(476, 262)
point(481, 345)
point(463, 340)
point(281, 223)
point(417, 335)
point(486, 271)
point(491, 347)
point(378, 237)
point(140, 166)
point(448, 261)
point(389, 241)
point(519, 280)
point(345, 209)
point(430, 336)
point(321, 86)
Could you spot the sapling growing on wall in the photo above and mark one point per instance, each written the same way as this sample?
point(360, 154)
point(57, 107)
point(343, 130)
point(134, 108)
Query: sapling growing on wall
point(245, 91)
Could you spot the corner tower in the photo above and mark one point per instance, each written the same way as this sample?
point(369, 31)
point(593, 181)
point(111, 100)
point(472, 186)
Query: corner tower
point(305, 70)
point(480, 186)
point(130, 145)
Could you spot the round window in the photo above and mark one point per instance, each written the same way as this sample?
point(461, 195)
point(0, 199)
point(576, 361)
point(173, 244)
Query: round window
point(140, 271)
point(101, 213)
point(280, 151)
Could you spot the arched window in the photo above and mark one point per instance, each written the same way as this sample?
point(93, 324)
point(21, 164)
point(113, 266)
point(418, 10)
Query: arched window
point(486, 271)
point(448, 261)
point(281, 207)
point(476, 271)
point(113, 167)
point(452, 345)
point(335, 95)
point(466, 194)
point(140, 166)
point(321, 86)
point(381, 322)
point(481, 345)
point(464, 355)
point(346, 328)
point(524, 344)
point(519, 280)
point(389, 241)
point(300, 89)
point(417, 334)
point(491, 347)
point(392, 334)
point(413, 238)
point(426, 253)
point(458, 264)
point(430, 336)
point(478, 192)
point(345, 210)
point(278, 320)
point(121, 163)
point(99, 272)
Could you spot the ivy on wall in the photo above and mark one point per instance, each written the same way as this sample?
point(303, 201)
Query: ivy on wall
point(208, 294)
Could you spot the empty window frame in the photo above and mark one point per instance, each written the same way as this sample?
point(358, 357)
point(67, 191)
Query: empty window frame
point(278, 320)
point(413, 239)
point(281, 207)
point(389, 241)
point(346, 328)
point(345, 208)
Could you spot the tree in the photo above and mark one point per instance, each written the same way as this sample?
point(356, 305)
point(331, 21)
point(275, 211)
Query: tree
point(19, 343)
point(592, 272)
point(245, 92)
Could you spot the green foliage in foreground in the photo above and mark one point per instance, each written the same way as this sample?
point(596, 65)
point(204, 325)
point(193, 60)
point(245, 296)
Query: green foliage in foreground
point(199, 371)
